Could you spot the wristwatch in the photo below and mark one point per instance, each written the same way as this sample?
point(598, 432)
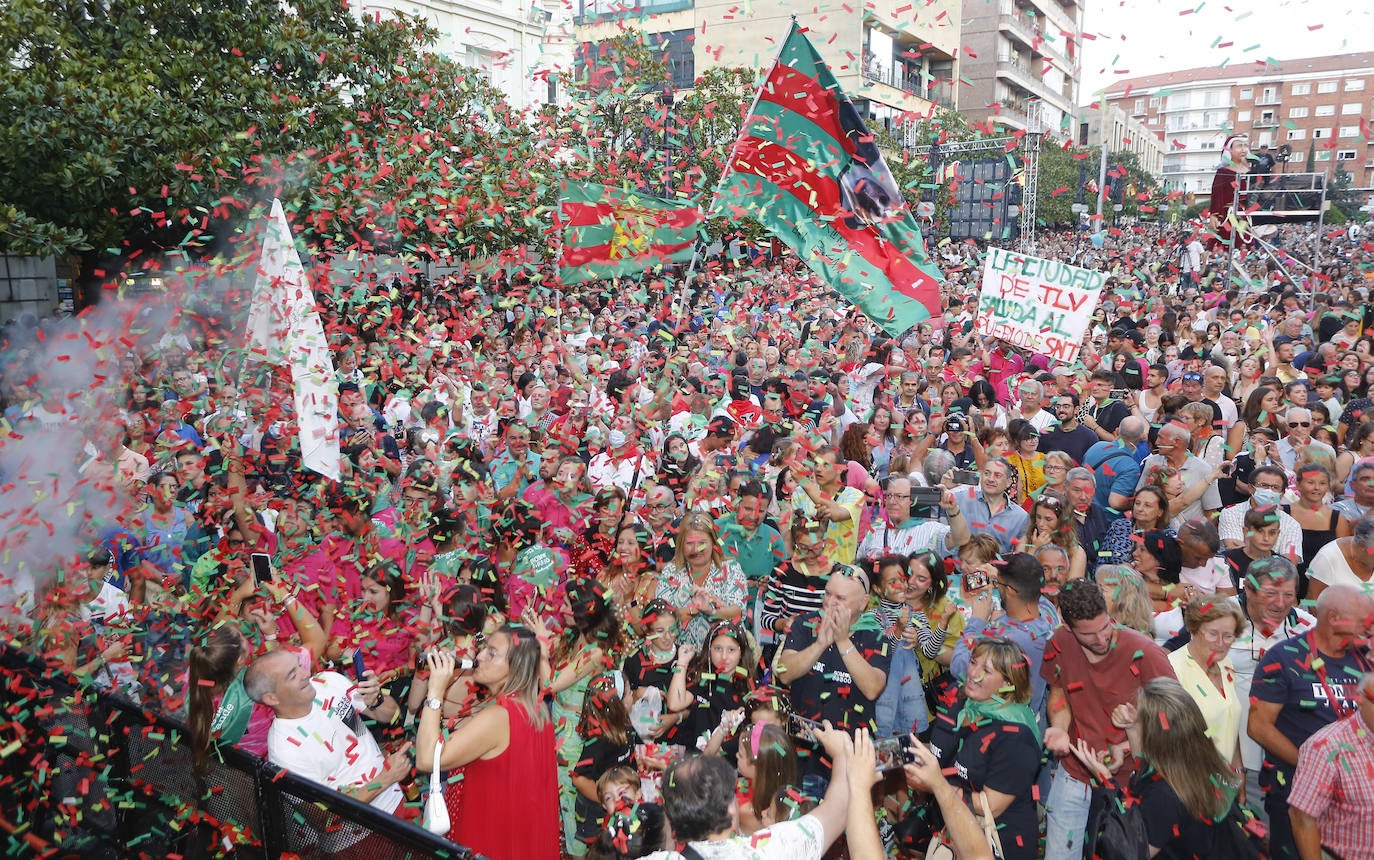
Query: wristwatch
point(434, 704)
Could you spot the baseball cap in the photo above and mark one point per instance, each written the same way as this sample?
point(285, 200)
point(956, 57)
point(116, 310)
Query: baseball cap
point(1063, 370)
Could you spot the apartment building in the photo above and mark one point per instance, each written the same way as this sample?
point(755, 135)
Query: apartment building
point(1318, 107)
point(519, 46)
point(894, 60)
point(1020, 58)
point(1124, 133)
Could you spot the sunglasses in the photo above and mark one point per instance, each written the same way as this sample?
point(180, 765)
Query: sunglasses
point(1299, 423)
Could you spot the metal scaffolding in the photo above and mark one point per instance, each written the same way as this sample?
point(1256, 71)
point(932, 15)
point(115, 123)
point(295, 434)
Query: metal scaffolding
point(1029, 144)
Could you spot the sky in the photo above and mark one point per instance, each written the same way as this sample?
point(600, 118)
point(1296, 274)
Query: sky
point(1128, 38)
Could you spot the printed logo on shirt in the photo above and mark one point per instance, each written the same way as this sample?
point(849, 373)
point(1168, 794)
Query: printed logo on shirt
point(837, 676)
point(1344, 695)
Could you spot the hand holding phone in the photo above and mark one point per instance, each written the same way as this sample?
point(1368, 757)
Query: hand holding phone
point(262, 567)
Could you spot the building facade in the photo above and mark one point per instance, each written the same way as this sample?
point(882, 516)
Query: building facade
point(1124, 133)
point(895, 63)
point(1020, 58)
point(519, 46)
point(1313, 114)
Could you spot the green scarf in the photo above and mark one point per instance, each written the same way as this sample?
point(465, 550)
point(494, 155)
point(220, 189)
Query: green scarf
point(1000, 711)
point(231, 718)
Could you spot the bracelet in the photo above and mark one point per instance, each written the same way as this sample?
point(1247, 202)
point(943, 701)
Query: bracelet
point(290, 599)
point(846, 653)
point(678, 670)
point(377, 703)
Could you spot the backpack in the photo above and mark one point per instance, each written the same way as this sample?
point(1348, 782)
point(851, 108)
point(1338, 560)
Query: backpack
point(1116, 828)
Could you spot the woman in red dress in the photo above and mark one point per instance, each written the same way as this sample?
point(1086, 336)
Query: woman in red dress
point(508, 809)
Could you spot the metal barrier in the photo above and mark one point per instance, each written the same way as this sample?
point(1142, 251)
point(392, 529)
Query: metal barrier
point(94, 776)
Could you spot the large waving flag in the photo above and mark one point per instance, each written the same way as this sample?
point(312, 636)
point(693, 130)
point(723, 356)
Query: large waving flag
point(806, 168)
point(284, 329)
point(610, 231)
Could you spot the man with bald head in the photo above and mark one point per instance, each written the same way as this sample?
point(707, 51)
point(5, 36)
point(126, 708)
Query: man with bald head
point(1173, 445)
point(1116, 468)
point(1302, 685)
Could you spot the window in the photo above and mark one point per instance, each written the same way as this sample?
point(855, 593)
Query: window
point(1346, 155)
point(1353, 85)
point(1320, 133)
point(1295, 113)
point(1326, 87)
point(1302, 89)
point(1350, 131)
point(1297, 134)
point(1325, 110)
point(1247, 94)
point(1297, 156)
point(1269, 95)
point(1154, 103)
point(1323, 155)
point(1243, 116)
point(1352, 109)
point(1267, 116)
point(1139, 107)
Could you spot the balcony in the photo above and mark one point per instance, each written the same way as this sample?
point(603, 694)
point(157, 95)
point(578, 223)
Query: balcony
point(1019, 72)
point(1026, 29)
point(591, 11)
point(1266, 123)
point(908, 79)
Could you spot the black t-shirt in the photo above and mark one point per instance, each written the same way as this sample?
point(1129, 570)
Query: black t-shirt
point(1239, 564)
point(710, 700)
point(599, 754)
point(1075, 442)
point(1109, 415)
point(640, 672)
point(828, 691)
point(1004, 757)
point(1169, 826)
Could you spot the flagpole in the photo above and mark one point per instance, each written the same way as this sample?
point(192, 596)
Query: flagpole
point(720, 183)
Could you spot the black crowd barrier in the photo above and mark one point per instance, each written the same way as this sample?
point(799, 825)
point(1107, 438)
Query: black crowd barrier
point(91, 775)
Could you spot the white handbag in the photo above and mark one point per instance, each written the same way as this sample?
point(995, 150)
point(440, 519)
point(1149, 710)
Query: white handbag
point(436, 810)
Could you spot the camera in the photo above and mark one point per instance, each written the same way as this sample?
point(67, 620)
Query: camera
point(955, 424)
point(964, 476)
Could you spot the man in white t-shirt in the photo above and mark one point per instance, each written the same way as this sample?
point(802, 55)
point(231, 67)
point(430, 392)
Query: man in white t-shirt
point(700, 802)
point(318, 733)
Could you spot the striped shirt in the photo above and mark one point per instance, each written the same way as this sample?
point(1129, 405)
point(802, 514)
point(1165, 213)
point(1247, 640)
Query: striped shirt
point(793, 591)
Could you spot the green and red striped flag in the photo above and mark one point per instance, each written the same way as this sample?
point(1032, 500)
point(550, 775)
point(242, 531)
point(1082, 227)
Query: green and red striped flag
point(806, 168)
point(611, 231)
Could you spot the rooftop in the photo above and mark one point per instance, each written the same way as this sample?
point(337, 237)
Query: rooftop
point(1233, 73)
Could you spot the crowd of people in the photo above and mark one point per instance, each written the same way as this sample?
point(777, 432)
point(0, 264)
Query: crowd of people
point(736, 583)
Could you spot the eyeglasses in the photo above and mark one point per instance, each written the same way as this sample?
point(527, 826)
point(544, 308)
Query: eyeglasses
point(1217, 636)
point(897, 496)
point(809, 548)
point(1299, 423)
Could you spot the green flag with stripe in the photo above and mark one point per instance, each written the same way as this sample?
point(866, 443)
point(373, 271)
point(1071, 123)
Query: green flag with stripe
point(807, 169)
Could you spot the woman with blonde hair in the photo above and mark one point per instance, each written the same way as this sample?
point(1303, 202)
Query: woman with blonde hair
point(1207, 443)
point(1128, 597)
point(700, 581)
point(994, 745)
point(1186, 791)
point(509, 803)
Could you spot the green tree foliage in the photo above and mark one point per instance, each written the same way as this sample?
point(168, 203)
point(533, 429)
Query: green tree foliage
point(137, 127)
point(1064, 169)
